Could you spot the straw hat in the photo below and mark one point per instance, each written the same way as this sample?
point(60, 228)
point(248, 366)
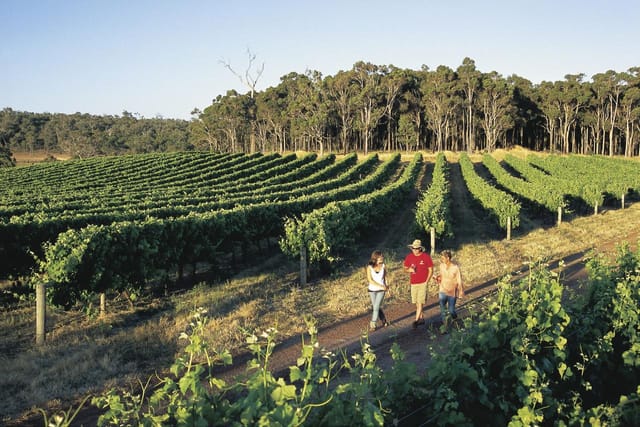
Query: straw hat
point(417, 244)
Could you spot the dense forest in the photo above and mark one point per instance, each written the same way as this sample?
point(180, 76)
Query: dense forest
point(367, 108)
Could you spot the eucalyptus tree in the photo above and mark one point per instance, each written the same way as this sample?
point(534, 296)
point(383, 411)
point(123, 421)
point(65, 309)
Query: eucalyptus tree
point(341, 91)
point(50, 132)
point(307, 109)
point(8, 128)
point(297, 91)
point(393, 83)
point(571, 99)
point(593, 120)
point(547, 100)
point(250, 79)
point(369, 98)
point(272, 115)
point(608, 87)
point(527, 117)
point(169, 135)
point(440, 101)
point(204, 131)
point(223, 124)
point(469, 81)
point(411, 112)
point(630, 110)
point(77, 137)
point(495, 105)
point(23, 131)
point(6, 157)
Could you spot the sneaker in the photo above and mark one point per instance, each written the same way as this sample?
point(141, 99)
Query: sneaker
point(372, 327)
point(415, 324)
point(454, 316)
point(385, 324)
point(420, 322)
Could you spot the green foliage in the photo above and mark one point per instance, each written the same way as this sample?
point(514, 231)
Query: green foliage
point(433, 209)
point(498, 203)
point(335, 227)
point(6, 158)
point(192, 395)
point(544, 193)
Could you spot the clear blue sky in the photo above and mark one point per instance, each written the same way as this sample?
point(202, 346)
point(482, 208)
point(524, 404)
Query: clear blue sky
point(160, 57)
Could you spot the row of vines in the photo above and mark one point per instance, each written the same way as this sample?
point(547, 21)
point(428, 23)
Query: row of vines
point(92, 234)
point(545, 185)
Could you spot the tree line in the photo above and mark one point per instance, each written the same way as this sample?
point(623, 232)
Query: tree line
point(370, 107)
point(84, 135)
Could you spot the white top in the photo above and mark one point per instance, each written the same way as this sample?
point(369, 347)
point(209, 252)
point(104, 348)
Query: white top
point(378, 277)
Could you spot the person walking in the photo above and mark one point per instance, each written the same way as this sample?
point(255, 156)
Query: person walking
point(450, 286)
point(377, 286)
point(419, 265)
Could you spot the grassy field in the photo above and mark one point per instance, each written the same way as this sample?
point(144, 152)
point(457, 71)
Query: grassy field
point(27, 158)
point(86, 354)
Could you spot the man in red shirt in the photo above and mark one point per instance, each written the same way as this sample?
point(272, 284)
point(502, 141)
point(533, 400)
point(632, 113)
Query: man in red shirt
point(419, 265)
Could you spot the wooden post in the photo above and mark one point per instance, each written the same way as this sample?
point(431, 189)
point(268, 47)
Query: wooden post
point(508, 228)
point(103, 304)
point(622, 200)
point(303, 265)
point(559, 215)
point(41, 308)
point(433, 241)
point(595, 210)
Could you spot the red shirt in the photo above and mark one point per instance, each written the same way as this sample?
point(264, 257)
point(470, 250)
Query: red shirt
point(423, 265)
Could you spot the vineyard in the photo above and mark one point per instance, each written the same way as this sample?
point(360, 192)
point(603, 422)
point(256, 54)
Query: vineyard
point(120, 225)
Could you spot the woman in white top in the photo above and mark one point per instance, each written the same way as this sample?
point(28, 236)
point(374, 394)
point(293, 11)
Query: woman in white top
point(376, 278)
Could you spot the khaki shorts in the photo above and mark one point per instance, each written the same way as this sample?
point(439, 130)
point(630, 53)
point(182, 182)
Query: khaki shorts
point(419, 293)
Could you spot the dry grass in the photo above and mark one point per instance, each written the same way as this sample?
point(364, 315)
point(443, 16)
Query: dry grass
point(30, 157)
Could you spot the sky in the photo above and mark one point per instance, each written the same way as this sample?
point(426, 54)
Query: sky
point(166, 58)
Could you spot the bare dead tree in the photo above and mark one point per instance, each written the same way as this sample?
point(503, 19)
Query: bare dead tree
point(249, 79)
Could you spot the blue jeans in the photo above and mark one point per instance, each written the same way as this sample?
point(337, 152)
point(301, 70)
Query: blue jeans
point(376, 302)
point(444, 301)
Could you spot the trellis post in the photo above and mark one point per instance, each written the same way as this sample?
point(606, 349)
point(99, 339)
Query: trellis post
point(303, 265)
point(559, 215)
point(103, 304)
point(41, 308)
point(433, 240)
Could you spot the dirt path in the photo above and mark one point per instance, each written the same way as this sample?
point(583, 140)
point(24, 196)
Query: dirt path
point(468, 225)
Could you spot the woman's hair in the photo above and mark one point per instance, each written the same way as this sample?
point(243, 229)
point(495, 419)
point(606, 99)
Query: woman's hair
point(374, 257)
point(446, 253)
